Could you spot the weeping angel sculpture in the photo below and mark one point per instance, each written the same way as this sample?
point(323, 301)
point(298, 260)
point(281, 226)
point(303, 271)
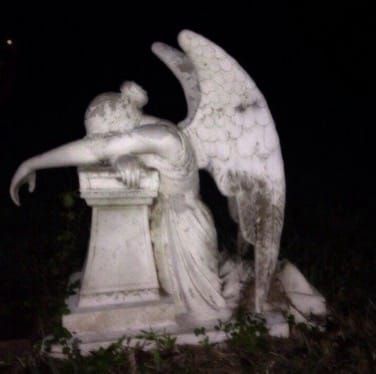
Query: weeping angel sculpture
point(185, 248)
point(228, 131)
point(235, 140)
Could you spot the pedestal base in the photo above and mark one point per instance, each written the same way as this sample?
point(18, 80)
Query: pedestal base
point(88, 324)
point(182, 338)
point(278, 329)
point(100, 329)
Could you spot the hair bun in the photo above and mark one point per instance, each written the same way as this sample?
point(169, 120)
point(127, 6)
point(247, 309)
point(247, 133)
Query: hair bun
point(134, 93)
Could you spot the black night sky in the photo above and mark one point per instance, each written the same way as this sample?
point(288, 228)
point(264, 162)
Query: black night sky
point(314, 64)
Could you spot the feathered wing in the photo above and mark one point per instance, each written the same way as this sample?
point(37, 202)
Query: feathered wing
point(184, 70)
point(234, 137)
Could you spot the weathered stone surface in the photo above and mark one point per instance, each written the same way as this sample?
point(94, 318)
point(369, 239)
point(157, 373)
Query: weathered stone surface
point(115, 321)
point(120, 265)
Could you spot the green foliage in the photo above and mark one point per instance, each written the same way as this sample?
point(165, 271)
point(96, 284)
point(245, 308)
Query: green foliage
point(247, 333)
point(163, 341)
point(68, 199)
point(161, 345)
point(103, 360)
point(205, 341)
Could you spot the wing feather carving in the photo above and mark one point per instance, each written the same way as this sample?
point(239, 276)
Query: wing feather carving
point(234, 137)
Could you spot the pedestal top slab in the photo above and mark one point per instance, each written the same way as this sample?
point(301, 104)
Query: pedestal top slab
point(103, 185)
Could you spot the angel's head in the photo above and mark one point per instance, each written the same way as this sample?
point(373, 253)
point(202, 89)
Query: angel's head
point(134, 94)
point(113, 112)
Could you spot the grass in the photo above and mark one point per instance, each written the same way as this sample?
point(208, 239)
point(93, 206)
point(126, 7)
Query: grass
point(333, 248)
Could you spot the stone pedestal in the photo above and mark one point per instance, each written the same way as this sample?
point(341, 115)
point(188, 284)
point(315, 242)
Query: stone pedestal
point(120, 265)
point(119, 289)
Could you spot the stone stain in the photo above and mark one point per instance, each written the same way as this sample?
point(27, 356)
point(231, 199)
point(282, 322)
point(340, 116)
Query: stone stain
point(242, 107)
point(261, 223)
point(256, 104)
point(186, 67)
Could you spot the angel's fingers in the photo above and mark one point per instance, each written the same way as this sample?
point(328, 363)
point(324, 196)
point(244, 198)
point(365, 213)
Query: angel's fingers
point(133, 178)
point(127, 177)
point(130, 179)
point(138, 177)
point(123, 176)
point(31, 181)
point(15, 195)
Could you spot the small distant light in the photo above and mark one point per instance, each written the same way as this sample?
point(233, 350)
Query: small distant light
point(9, 42)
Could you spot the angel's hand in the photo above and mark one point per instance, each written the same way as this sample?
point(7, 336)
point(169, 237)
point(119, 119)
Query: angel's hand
point(24, 174)
point(130, 170)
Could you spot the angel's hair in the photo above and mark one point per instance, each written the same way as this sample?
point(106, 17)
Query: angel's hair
point(116, 112)
point(134, 94)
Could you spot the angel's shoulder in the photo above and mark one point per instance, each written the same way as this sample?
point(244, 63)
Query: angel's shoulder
point(158, 130)
point(162, 132)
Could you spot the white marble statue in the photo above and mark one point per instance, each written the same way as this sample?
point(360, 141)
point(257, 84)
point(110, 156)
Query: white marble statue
point(183, 232)
point(229, 132)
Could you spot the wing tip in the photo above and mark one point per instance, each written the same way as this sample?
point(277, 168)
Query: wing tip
point(184, 38)
point(157, 47)
point(185, 35)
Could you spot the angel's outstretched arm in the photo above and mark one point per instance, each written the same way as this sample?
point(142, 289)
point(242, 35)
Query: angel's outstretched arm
point(71, 154)
point(82, 152)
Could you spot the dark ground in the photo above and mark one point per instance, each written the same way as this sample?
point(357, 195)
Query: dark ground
point(316, 68)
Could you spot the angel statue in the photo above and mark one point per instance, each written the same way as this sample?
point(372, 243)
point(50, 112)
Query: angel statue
point(183, 232)
point(228, 131)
